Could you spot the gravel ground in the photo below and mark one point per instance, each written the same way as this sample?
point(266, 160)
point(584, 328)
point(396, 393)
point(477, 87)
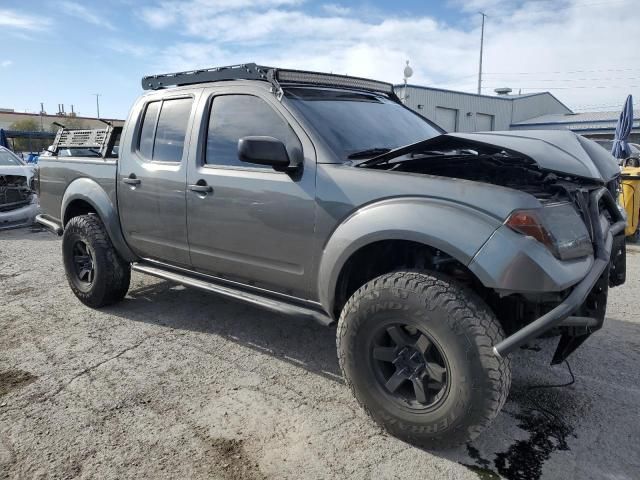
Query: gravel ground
point(175, 383)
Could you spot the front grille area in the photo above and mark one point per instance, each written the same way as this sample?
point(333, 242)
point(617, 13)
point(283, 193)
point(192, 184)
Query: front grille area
point(14, 192)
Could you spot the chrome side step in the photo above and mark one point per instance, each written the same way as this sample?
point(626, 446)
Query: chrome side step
point(248, 297)
point(49, 224)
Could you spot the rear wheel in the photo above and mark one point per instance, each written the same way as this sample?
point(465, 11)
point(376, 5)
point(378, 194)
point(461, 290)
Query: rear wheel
point(97, 275)
point(416, 349)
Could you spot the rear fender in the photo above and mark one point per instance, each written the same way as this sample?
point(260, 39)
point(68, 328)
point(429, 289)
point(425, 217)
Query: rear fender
point(89, 191)
point(457, 230)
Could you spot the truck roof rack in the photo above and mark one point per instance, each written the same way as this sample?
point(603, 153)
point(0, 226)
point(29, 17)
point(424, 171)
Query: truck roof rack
point(251, 71)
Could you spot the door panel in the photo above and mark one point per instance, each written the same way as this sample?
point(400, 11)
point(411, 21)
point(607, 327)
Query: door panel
point(152, 181)
point(255, 225)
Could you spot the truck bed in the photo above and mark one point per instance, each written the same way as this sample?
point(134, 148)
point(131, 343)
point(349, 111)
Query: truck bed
point(58, 173)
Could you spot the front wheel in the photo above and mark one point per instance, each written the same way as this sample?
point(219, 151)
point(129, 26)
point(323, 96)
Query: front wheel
point(416, 350)
point(95, 271)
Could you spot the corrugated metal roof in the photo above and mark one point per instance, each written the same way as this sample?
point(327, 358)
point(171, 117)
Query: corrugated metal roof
point(499, 97)
point(576, 121)
point(510, 97)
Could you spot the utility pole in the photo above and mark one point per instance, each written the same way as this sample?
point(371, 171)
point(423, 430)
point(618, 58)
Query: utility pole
point(481, 47)
point(42, 116)
point(97, 103)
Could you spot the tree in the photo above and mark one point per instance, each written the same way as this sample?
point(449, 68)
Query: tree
point(74, 122)
point(27, 144)
point(69, 122)
point(26, 125)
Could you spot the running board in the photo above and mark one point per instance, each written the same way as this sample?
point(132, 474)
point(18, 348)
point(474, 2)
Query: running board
point(248, 297)
point(49, 224)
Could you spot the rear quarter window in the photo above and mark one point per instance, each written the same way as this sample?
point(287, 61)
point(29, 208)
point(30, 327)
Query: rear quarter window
point(164, 128)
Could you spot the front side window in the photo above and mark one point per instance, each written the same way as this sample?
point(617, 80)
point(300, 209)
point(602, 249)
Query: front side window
point(235, 116)
point(164, 128)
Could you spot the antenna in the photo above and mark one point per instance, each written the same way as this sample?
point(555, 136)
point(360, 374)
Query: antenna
point(408, 72)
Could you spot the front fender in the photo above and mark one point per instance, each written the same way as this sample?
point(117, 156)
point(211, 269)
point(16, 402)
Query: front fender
point(455, 229)
point(91, 192)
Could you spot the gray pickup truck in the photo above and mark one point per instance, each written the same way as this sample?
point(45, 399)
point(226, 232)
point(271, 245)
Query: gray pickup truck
point(322, 196)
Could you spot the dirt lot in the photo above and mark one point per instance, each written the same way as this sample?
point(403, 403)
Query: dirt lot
point(175, 383)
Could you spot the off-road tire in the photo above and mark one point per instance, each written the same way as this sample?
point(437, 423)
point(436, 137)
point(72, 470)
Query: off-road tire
point(112, 274)
point(465, 329)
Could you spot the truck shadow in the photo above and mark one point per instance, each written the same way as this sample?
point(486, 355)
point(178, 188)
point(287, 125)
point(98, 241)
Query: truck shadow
point(535, 423)
point(301, 342)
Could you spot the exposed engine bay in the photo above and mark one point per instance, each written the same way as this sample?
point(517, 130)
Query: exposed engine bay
point(541, 163)
point(15, 192)
point(497, 169)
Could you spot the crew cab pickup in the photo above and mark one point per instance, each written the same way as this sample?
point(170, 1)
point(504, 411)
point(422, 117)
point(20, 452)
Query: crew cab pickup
point(323, 196)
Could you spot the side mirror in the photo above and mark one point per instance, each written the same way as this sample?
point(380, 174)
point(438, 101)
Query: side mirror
point(265, 151)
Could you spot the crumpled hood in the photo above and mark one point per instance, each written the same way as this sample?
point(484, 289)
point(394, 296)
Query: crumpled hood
point(558, 151)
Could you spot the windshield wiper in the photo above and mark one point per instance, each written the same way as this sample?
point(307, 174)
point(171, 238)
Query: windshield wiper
point(369, 152)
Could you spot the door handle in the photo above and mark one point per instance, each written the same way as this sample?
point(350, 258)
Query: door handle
point(131, 180)
point(201, 188)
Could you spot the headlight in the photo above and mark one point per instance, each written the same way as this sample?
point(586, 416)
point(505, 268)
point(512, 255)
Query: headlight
point(557, 226)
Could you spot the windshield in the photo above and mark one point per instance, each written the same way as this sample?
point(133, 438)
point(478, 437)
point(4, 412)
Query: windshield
point(9, 159)
point(353, 122)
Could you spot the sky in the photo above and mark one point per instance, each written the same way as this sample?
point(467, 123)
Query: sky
point(64, 51)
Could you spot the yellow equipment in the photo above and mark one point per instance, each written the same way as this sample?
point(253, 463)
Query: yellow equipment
point(630, 199)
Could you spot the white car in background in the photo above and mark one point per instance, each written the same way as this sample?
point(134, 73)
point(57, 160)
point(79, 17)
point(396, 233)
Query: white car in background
point(18, 199)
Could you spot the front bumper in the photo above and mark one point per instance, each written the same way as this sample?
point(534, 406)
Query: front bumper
point(533, 271)
point(19, 217)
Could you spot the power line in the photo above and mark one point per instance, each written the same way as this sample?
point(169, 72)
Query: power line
point(547, 87)
point(600, 79)
point(564, 71)
point(554, 8)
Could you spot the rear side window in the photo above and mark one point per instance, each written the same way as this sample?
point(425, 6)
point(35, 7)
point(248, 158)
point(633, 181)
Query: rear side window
point(145, 147)
point(235, 116)
point(164, 128)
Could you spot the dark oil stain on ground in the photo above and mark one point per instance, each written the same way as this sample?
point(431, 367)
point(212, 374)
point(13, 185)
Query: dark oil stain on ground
point(13, 379)
point(524, 459)
point(482, 465)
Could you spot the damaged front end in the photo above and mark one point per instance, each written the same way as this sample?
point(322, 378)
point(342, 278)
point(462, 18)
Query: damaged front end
point(561, 289)
point(18, 201)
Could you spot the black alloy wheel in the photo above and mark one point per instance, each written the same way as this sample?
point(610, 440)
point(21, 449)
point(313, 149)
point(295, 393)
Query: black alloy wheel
point(410, 367)
point(83, 261)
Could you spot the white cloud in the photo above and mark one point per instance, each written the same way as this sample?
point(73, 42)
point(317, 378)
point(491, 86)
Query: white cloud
point(13, 19)
point(80, 11)
point(6, 63)
point(335, 9)
point(168, 12)
point(528, 37)
point(128, 48)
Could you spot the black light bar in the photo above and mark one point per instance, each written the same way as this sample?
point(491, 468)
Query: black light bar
point(330, 79)
point(251, 71)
